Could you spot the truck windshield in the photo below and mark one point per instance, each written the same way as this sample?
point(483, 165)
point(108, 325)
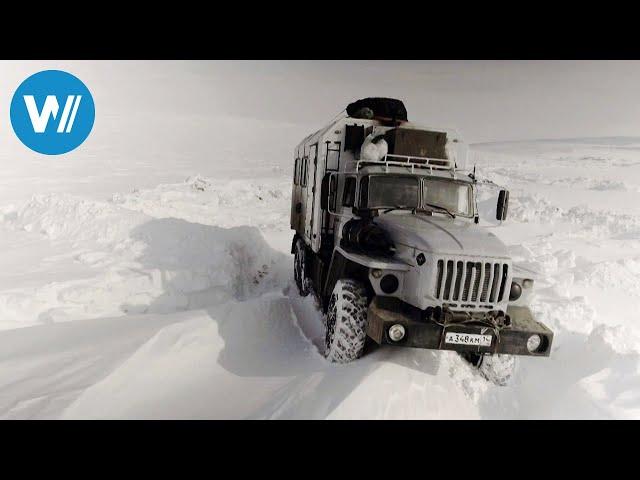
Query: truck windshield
point(388, 191)
point(449, 194)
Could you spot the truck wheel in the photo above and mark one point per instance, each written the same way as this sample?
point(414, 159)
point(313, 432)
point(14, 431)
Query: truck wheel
point(496, 368)
point(300, 262)
point(346, 324)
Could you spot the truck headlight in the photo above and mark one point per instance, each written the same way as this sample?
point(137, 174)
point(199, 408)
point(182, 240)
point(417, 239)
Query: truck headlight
point(515, 292)
point(533, 343)
point(389, 284)
point(396, 332)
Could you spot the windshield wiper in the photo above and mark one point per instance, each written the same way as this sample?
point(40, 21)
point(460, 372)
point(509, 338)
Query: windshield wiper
point(399, 207)
point(438, 207)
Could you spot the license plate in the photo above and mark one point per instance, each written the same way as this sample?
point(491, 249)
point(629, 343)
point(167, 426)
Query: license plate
point(468, 339)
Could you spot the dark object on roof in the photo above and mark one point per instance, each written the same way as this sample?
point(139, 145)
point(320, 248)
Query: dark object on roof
point(382, 107)
point(418, 143)
point(364, 112)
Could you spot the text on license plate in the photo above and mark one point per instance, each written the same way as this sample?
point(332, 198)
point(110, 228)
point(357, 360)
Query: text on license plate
point(468, 339)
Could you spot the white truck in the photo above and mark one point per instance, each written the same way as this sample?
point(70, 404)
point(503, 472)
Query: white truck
point(387, 238)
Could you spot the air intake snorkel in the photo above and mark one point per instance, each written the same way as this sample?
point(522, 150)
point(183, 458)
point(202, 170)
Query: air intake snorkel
point(362, 235)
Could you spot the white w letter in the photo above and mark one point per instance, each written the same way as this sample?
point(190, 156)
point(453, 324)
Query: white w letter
point(40, 120)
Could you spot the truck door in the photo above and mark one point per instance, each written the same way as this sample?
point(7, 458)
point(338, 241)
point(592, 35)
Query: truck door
point(309, 194)
point(295, 194)
point(302, 195)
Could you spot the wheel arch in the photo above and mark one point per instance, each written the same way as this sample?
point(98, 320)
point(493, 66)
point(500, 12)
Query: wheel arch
point(342, 267)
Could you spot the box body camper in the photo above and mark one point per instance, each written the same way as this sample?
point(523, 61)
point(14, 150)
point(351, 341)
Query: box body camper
point(387, 238)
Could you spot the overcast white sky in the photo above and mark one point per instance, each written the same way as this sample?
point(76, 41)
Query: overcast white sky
point(486, 100)
point(498, 100)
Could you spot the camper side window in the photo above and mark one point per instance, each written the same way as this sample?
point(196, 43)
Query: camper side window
point(349, 193)
point(304, 171)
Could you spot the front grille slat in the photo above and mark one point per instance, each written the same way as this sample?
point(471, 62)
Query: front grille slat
point(439, 278)
point(468, 272)
point(481, 282)
point(449, 278)
point(505, 274)
point(494, 283)
point(486, 278)
point(470, 284)
point(456, 288)
point(477, 267)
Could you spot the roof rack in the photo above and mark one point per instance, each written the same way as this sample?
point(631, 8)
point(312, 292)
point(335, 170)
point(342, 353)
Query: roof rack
point(409, 161)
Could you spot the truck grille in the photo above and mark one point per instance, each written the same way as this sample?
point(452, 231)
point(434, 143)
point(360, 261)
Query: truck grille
point(471, 284)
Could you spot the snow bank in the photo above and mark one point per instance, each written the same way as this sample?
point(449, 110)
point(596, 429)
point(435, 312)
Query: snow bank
point(136, 263)
point(225, 203)
point(235, 361)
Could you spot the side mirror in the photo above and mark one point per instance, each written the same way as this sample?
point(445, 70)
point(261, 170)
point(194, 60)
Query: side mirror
point(503, 204)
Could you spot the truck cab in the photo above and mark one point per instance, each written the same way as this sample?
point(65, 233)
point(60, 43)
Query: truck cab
point(387, 237)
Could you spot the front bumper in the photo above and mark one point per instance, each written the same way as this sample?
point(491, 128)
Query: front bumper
point(386, 311)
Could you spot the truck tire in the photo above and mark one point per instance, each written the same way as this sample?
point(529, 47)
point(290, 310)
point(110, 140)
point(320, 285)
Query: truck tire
point(300, 263)
point(346, 322)
point(496, 368)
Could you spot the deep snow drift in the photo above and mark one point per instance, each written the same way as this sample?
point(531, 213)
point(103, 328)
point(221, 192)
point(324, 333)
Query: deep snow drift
point(177, 300)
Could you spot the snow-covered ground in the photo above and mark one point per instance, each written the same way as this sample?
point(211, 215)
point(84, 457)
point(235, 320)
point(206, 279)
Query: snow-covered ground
point(163, 289)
